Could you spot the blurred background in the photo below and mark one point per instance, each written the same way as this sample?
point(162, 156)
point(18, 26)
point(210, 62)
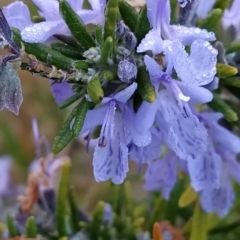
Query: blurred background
point(16, 138)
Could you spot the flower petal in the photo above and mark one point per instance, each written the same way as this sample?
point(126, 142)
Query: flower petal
point(196, 94)
point(225, 138)
point(197, 69)
point(17, 15)
point(139, 138)
point(204, 58)
point(148, 153)
point(5, 167)
point(111, 161)
point(186, 136)
point(41, 32)
point(154, 69)
point(49, 9)
point(205, 170)
point(189, 34)
point(61, 91)
point(162, 175)
point(158, 12)
point(148, 110)
point(218, 200)
point(152, 41)
point(125, 94)
point(94, 118)
point(204, 7)
point(90, 16)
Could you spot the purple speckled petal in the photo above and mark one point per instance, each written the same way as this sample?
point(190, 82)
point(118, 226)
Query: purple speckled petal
point(148, 153)
point(111, 160)
point(184, 135)
point(205, 170)
point(218, 200)
point(162, 175)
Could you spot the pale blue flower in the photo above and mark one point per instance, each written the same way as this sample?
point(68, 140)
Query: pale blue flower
point(161, 174)
point(159, 38)
point(5, 173)
point(54, 23)
point(61, 91)
point(110, 160)
point(204, 7)
point(96, 14)
point(213, 178)
point(17, 15)
point(181, 129)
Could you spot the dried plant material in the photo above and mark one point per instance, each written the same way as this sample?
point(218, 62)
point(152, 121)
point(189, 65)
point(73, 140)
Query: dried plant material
point(46, 177)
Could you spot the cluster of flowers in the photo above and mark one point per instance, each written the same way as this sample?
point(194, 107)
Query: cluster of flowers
point(167, 129)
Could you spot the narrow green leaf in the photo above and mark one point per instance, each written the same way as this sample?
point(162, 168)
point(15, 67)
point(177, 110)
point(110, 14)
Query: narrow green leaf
point(68, 50)
point(128, 14)
point(212, 21)
point(74, 211)
point(11, 227)
point(145, 87)
point(234, 82)
point(188, 196)
point(106, 50)
point(97, 221)
point(99, 35)
point(128, 200)
point(143, 25)
point(225, 228)
point(159, 206)
point(76, 26)
point(31, 228)
point(72, 99)
point(65, 134)
point(233, 47)
point(111, 17)
point(43, 52)
point(82, 109)
point(63, 217)
point(94, 90)
point(224, 71)
point(199, 225)
point(219, 105)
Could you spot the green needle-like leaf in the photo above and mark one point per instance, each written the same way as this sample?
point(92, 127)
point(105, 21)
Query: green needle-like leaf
point(76, 26)
point(111, 19)
point(145, 87)
point(128, 14)
point(82, 109)
point(63, 217)
point(143, 25)
point(219, 105)
point(31, 228)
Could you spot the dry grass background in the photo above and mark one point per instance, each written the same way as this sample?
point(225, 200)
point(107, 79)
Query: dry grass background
point(16, 135)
